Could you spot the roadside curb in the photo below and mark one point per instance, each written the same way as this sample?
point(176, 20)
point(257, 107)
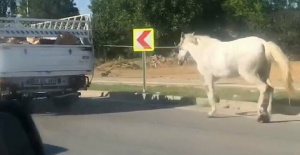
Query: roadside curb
point(180, 84)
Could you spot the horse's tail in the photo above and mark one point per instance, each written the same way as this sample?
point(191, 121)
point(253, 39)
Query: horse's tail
point(274, 53)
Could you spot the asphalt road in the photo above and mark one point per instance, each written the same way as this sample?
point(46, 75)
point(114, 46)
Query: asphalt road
point(99, 127)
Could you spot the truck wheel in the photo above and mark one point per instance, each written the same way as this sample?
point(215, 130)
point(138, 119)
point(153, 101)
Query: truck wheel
point(65, 102)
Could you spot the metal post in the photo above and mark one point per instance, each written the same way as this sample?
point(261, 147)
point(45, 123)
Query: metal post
point(144, 71)
point(27, 8)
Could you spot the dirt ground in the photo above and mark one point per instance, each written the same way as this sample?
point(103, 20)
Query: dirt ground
point(188, 72)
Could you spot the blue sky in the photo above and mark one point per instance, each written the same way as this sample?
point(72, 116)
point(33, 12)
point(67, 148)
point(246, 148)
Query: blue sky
point(82, 5)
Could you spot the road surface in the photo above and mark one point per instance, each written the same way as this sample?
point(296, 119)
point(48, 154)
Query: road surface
point(103, 127)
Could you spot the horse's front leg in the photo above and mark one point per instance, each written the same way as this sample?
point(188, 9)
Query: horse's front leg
point(212, 97)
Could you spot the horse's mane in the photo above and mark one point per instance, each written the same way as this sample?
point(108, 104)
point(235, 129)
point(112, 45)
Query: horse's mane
point(206, 39)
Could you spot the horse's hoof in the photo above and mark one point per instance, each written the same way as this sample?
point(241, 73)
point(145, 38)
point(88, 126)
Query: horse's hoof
point(210, 115)
point(263, 119)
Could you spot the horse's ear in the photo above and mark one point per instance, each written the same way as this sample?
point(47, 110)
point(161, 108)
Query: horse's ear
point(193, 33)
point(182, 35)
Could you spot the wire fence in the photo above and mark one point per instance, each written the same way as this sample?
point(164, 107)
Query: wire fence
point(106, 48)
point(127, 46)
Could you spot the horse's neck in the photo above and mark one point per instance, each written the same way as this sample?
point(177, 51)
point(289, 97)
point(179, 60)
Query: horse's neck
point(205, 42)
point(196, 52)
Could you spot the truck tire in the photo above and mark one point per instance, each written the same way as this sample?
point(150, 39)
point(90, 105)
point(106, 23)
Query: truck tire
point(18, 133)
point(65, 102)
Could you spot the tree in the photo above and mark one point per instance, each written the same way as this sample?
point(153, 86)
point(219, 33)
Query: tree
point(251, 13)
point(284, 4)
point(52, 9)
point(8, 8)
point(169, 16)
point(114, 19)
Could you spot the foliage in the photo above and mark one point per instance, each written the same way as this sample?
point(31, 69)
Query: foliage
point(52, 9)
point(287, 26)
point(114, 19)
point(251, 13)
point(8, 8)
point(171, 15)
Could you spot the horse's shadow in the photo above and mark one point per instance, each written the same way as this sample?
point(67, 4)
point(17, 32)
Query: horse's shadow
point(285, 121)
point(279, 108)
point(224, 116)
point(282, 106)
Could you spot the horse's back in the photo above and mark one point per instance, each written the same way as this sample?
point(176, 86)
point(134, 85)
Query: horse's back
point(226, 59)
point(252, 55)
point(243, 46)
point(247, 41)
point(244, 53)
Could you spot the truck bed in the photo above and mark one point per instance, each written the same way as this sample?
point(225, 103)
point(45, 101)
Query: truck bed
point(45, 60)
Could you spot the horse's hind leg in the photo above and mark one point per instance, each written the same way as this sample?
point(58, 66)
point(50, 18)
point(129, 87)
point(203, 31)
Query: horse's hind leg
point(263, 100)
point(271, 91)
point(264, 74)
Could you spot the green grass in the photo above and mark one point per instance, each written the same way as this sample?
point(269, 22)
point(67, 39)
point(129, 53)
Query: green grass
point(228, 93)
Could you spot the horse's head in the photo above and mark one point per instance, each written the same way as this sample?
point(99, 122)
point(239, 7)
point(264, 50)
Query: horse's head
point(184, 46)
point(182, 56)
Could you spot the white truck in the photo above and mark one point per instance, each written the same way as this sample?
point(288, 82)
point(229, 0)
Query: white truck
point(57, 72)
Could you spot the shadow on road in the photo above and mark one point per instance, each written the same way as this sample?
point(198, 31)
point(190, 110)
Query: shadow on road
point(116, 102)
point(281, 106)
point(285, 121)
point(53, 150)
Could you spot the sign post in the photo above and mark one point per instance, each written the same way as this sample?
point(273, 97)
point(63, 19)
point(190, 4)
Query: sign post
point(144, 56)
point(143, 41)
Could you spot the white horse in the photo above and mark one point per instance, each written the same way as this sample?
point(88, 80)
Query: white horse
point(248, 57)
